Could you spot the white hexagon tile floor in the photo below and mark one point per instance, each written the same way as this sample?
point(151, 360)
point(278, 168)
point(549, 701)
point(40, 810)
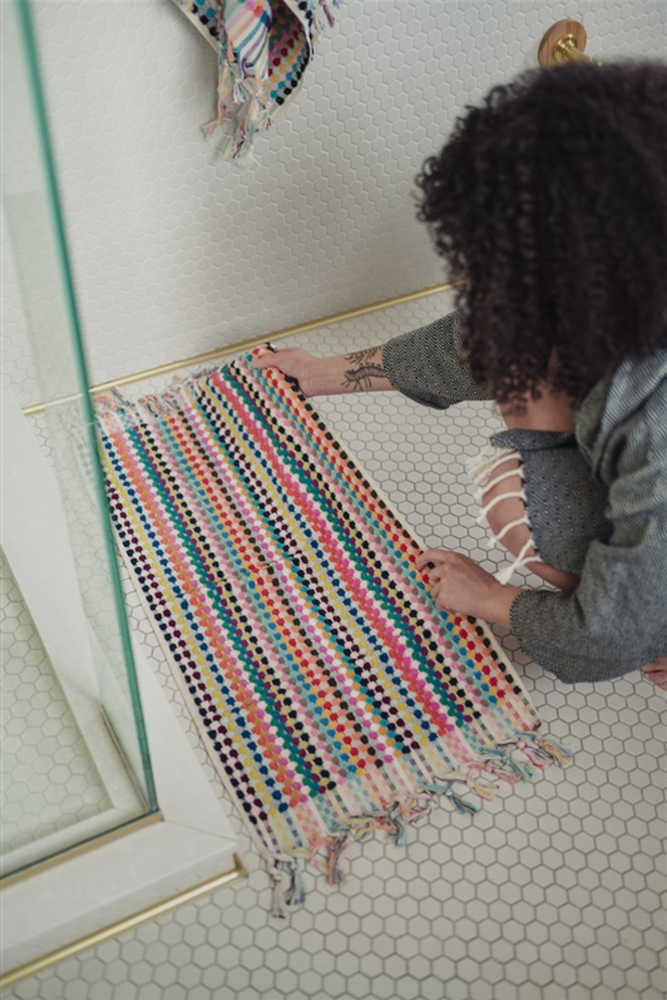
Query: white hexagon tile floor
point(549, 893)
point(49, 778)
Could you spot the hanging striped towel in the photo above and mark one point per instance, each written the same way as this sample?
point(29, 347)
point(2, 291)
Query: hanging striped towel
point(263, 48)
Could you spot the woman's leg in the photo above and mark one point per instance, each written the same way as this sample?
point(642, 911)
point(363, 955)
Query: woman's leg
point(513, 509)
point(552, 412)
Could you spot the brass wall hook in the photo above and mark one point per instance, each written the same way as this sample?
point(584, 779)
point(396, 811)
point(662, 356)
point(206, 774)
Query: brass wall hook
point(564, 42)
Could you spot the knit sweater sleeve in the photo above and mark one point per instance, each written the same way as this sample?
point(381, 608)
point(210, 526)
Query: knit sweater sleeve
point(424, 365)
point(616, 619)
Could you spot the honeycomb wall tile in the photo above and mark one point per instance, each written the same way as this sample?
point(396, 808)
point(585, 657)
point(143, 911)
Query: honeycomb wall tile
point(175, 252)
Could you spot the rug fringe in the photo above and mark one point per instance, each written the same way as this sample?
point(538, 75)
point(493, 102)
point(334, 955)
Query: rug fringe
point(395, 821)
point(278, 897)
point(500, 762)
point(293, 865)
point(322, 23)
point(540, 751)
point(116, 405)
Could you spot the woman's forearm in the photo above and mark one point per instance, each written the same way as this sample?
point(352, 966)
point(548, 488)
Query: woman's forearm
point(361, 370)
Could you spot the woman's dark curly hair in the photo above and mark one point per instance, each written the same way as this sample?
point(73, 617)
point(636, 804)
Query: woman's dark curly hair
point(551, 201)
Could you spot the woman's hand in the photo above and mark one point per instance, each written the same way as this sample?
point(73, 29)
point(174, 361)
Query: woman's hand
point(656, 672)
point(459, 585)
point(361, 370)
point(296, 363)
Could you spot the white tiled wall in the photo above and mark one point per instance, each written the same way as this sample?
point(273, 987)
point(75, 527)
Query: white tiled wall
point(176, 252)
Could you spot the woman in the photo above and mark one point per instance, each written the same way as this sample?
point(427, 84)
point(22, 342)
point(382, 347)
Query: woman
point(551, 201)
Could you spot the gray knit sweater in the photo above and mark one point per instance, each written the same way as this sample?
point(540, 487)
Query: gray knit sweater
point(616, 619)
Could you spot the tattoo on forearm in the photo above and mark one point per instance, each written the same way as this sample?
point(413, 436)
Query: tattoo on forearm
point(362, 357)
point(360, 378)
point(363, 369)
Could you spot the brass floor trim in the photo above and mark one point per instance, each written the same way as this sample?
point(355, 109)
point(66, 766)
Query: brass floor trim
point(120, 926)
point(245, 345)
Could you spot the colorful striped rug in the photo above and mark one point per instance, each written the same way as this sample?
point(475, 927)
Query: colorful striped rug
point(334, 698)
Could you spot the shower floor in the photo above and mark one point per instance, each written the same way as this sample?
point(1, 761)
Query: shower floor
point(551, 893)
point(49, 779)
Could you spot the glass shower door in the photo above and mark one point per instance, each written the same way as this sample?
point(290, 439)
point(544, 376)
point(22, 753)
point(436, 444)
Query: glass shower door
point(75, 757)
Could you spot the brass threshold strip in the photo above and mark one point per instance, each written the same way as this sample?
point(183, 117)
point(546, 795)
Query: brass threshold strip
point(246, 345)
point(120, 926)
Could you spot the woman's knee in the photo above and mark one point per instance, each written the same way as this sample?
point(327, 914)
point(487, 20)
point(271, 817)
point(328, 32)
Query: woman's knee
point(511, 510)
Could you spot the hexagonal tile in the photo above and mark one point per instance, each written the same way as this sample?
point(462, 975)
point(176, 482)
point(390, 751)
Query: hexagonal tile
point(532, 898)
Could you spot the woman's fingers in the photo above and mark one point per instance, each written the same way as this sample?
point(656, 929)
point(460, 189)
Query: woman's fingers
point(435, 556)
point(269, 360)
point(656, 672)
point(435, 593)
point(657, 675)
